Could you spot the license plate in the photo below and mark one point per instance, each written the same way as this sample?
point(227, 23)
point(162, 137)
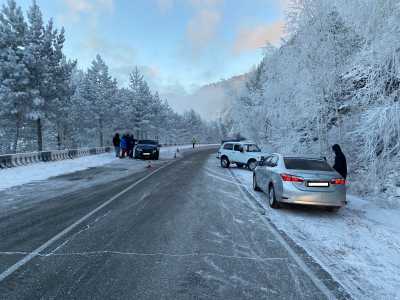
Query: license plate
point(317, 184)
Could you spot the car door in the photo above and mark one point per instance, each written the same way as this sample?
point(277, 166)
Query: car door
point(236, 153)
point(270, 171)
point(228, 150)
point(262, 173)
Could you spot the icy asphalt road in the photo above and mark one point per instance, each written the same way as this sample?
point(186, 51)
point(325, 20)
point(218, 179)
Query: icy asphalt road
point(186, 232)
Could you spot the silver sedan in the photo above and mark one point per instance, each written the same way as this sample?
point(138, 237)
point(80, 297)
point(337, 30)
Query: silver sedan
point(299, 180)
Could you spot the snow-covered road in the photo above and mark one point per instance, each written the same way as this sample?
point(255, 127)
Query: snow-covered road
point(180, 231)
point(359, 245)
point(45, 170)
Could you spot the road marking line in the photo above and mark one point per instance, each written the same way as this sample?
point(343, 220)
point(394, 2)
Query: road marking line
point(37, 251)
point(191, 254)
point(318, 283)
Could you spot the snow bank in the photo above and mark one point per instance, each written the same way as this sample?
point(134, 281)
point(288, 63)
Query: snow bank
point(359, 245)
point(44, 170)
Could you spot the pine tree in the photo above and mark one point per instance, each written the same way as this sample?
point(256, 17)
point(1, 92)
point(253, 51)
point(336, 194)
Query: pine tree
point(100, 90)
point(15, 97)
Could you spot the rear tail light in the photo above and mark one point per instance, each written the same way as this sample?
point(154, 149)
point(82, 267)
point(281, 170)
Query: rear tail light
point(338, 181)
point(291, 178)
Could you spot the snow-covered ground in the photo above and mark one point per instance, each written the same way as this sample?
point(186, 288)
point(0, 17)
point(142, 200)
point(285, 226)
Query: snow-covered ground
point(359, 245)
point(45, 170)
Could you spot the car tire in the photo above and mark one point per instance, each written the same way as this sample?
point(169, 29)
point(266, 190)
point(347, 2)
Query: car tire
point(273, 203)
point(252, 164)
point(255, 186)
point(225, 162)
point(157, 156)
point(333, 209)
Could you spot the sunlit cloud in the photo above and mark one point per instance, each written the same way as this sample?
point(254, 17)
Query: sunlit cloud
point(202, 27)
point(249, 39)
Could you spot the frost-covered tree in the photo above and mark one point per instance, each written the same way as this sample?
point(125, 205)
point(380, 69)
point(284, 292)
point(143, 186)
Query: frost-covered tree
point(142, 100)
point(334, 79)
point(99, 91)
point(15, 93)
point(43, 94)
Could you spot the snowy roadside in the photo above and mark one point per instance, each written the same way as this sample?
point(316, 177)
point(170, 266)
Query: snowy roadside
point(359, 246)
point(44, 170)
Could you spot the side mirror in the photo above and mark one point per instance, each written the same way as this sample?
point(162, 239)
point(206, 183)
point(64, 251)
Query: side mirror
point(159, 145)
point(241, 149)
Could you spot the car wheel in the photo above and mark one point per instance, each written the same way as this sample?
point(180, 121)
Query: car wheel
point(252, 164)
point(272, 198)
point(225, 162)
point(255, 186)
point(333, 209)
point(157, 156)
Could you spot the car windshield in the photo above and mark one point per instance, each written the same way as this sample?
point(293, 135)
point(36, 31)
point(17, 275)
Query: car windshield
point(253, 148)
point(306, 164)
point(147, 142)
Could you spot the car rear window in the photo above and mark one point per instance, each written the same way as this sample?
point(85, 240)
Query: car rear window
point(147, 142)
point(306, 164)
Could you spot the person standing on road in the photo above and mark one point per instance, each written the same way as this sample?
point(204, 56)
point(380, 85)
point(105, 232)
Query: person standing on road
point(124, 146)
point(116, 143)
point(133, 141)
point(340, 161)
point(131, 144)
point(194, 142)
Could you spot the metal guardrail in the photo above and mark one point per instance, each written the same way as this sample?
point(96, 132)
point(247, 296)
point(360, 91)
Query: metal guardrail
point(23, 159)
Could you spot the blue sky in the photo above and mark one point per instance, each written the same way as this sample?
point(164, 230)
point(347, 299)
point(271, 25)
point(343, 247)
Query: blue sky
point(179, 44)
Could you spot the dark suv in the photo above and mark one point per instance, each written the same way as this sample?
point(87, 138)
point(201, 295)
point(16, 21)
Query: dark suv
point(147, 149)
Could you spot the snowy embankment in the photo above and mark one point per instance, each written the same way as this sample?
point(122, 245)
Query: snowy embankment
point(359, 245)
point(44, 170)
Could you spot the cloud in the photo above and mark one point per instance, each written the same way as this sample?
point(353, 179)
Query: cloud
point(206, 3)
point(285, 3)
point(208, 100)
point(249, 39)
point(75, 8)
point(120, 57)
point(202, 28)
point(165, 6)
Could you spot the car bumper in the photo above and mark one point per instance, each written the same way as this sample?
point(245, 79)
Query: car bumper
point(145, 155)
point(335, 198)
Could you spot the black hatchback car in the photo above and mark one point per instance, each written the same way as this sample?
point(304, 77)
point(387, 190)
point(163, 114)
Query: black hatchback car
point(147, 149)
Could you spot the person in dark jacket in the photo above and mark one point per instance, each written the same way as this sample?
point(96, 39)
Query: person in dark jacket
point(130, 145)
point(340, 161)
point(116, 143)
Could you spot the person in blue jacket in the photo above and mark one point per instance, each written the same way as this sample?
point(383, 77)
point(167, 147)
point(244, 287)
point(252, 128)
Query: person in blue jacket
point(124, 146)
